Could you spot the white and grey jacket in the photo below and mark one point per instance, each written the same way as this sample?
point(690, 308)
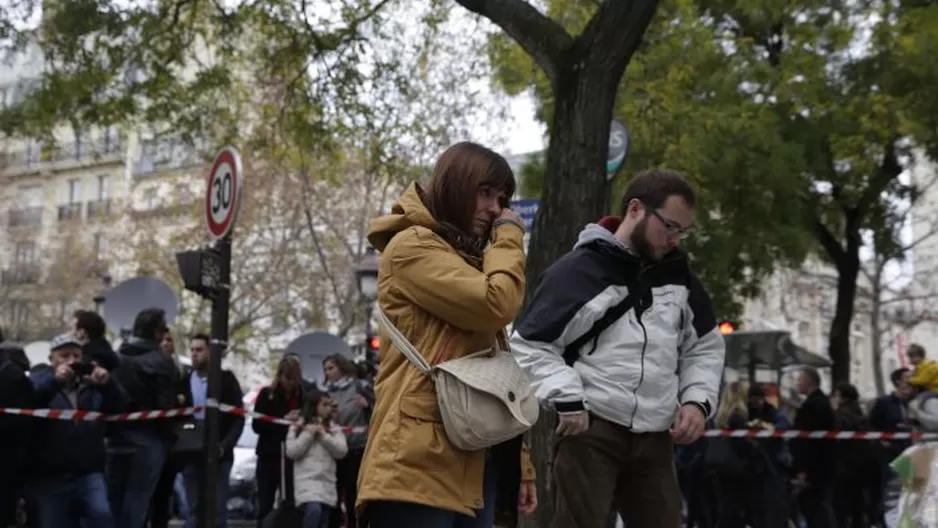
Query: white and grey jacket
point(664, 352)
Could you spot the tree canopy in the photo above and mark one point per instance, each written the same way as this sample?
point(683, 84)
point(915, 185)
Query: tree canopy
point(794, 121)
point(334, 109)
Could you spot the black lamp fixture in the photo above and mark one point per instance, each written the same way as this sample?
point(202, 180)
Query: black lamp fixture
point(367, 276)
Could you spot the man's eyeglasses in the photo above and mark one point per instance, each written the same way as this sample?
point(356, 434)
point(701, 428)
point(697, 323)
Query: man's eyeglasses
point(673, 228)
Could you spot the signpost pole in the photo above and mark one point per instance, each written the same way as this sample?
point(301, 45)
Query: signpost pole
point(222, 202)
point(212, 449)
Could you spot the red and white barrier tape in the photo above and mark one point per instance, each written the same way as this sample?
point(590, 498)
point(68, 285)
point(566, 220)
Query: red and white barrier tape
point(817, 435)
point(94, 416)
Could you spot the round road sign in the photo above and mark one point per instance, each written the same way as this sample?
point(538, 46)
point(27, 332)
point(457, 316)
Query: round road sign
point(223, 196)
point(618, 148)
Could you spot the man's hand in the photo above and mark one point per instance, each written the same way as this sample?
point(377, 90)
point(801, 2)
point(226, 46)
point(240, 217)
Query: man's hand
point(361, 401)
point(690, 424)
point(64, 373)
point(98, 376)
point(527, 498)
point(292, 415)
point(573, 423)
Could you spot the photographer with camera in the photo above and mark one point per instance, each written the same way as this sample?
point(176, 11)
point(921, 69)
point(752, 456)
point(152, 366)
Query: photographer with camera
point(68, 466)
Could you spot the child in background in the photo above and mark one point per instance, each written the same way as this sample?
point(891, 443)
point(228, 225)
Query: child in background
point(314, 448)
point(925, 372)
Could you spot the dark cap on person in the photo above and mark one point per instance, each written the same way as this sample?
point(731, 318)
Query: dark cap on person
point(756, 391)
point(64, 341)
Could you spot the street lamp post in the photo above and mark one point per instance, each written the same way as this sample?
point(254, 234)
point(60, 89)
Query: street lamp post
point(101, 297)
point(367, 276)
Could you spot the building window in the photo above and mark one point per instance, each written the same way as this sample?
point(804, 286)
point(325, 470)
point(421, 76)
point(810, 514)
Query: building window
point(100, 246)
point(74, 191)
point(102, 187)
point(150, 198)
point(30, 196)
point(79, 142)
point(25, 254)
point(20, 312)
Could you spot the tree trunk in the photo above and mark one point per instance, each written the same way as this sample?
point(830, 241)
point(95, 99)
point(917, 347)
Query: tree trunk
point(575, 175)
point(848, 269)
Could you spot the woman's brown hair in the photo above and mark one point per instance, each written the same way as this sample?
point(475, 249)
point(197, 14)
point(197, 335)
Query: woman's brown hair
point(344, 364)
point(459, 173)
point(288, 364)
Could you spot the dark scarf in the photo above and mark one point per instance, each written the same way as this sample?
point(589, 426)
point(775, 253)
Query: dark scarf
point(469, 247)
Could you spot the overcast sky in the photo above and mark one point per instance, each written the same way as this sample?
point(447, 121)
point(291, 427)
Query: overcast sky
point(527, 135)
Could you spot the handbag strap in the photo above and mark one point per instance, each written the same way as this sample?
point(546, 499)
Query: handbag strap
point(402, 343)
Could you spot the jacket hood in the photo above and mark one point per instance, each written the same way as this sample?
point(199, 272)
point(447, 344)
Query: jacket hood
point(604, 232)
point(409, 211)
point(135, 346)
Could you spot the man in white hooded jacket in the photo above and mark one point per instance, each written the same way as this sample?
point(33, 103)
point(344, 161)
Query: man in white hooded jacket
point(620, 338)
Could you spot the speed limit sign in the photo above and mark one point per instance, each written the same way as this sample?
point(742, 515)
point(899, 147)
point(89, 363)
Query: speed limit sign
point(223, 196)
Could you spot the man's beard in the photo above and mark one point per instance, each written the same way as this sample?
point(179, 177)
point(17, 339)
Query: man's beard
point(639, 241)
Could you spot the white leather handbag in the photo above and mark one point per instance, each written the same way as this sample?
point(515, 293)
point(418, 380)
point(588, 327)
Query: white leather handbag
point(484, 398)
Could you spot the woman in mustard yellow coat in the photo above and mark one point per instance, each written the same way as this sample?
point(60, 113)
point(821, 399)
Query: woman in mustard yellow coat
point(449, 298)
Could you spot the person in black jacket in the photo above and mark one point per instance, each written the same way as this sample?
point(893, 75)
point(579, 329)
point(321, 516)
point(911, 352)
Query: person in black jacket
point(813, 460)
point(230, 428)
point(167, 488)
point(90, 329)
point(16, 392)
point(856, 460)
point(139, 448)
point(283, 398)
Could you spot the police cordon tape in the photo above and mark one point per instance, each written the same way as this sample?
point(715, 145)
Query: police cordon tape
point(94, 416)
point(817, 435)
point(79, 415)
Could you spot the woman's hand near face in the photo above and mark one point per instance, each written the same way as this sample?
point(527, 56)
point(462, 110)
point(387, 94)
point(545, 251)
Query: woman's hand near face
point(508, 214)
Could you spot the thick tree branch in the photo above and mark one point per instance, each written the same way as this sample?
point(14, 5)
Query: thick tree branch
point(546, 41)
point(827, 240)
point(889, 170)
point(614, 33)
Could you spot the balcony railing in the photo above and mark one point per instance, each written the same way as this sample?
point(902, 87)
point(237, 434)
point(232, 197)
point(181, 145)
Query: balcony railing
point(169, 153)
point(20, 275)
point(26, 217)
point(69, 212)
point(37, 156)
point(99, 208)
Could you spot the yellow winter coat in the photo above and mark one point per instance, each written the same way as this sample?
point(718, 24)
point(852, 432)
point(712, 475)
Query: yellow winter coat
point(447, 308)
point(925, 375)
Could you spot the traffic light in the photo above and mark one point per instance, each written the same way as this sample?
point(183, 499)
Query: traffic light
point(726, 327)
point(200, 270)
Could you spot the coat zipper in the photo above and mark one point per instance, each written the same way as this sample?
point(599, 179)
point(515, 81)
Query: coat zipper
point(641, 376)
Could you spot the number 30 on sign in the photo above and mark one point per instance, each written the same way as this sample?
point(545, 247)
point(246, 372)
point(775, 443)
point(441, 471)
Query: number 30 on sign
point(223, 196)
